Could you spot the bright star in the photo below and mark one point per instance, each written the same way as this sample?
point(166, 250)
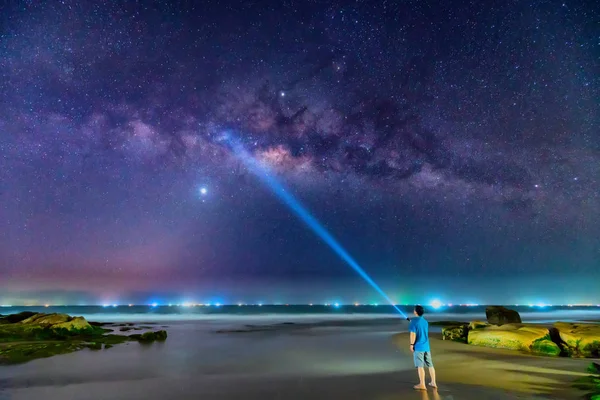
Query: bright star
point(203, 191)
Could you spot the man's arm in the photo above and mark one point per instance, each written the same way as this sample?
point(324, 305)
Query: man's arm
point(413, 335)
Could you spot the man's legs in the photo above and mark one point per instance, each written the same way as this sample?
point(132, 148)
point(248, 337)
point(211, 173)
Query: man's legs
point(418, 357)
point(421, 372)
point(433, 383)
point(428, 362)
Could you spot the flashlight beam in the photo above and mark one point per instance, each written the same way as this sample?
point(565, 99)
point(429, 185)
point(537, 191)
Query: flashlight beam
point(284, 195)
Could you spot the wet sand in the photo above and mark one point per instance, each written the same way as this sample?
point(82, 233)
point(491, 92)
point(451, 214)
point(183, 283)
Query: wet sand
point(337, 361)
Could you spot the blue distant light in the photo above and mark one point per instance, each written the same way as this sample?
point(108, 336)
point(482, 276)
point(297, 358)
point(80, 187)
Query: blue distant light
point(286, 197)
point(154, 304)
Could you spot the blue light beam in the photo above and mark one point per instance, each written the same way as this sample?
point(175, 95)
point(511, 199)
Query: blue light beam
point(284, 195)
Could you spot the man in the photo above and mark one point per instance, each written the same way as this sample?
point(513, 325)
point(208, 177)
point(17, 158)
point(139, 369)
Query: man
point(419, 346)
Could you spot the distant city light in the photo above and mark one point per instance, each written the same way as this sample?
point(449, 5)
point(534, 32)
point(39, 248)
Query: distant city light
point(114, 305)
point(154, 304)
point(436, 304)
point(131, 305)
point(337, 305)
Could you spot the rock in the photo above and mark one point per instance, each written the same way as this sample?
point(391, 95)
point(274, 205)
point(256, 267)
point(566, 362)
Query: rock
point(456, 333)
point(498, 315)
point(508, 336)
point(477, 325)
point(582, 340)
point(545, 347)
point(150, 336)
point(46, 319)
point(75, 323)
point(14, 318)
point(58, 321)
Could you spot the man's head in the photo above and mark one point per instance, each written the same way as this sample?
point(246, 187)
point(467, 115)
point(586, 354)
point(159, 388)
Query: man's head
point(419, 311)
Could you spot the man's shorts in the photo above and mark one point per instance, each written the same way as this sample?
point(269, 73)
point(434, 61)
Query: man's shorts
point(422, 359)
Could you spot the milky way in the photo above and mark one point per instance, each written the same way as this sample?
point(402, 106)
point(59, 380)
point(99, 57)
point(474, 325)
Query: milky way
point(460, 140)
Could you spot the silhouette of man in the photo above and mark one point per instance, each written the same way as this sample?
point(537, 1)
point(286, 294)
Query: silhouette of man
point(419, 346)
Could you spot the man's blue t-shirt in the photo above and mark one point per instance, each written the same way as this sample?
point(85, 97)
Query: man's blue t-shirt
point(420, 327)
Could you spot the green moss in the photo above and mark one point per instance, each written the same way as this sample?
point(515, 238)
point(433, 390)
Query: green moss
point(25, 342)
point(456, 333)
point(150, 336)
point(20, 353)
point(592, 349)
point(545, 347)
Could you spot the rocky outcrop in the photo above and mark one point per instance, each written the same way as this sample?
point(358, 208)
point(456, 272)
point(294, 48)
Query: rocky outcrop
point(563, 339)
point(477, 325)
point(498, 315)
point(27, 336)
point(57, 321)
point(580, 340)
point(46, 320)
point(510, 336)
point(14, 318)
point(457, 333)
point(150, 336)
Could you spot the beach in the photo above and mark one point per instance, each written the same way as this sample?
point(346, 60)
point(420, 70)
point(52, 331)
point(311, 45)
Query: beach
point(350, 357)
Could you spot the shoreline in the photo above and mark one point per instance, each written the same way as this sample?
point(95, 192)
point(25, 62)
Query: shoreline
point(502, 369)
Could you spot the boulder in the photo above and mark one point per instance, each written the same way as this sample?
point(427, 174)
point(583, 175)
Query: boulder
point(508, 336)
point(14, 318)
point(498, 315)
point(457, 333)
point(150, 336)
point(46, 320)
point(582, 340)
point(477, 325)
point(75, 323)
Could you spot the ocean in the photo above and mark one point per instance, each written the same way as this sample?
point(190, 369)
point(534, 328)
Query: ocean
point(307, 313)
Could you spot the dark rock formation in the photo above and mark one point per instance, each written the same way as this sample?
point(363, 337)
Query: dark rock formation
point(498, 315)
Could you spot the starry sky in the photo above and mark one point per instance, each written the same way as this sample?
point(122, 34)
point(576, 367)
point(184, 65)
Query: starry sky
point(452, 147)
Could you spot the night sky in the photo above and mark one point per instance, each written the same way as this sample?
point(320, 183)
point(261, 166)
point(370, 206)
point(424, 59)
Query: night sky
point(452, 147)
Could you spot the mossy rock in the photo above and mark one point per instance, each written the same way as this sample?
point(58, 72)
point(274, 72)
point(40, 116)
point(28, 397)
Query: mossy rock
point(477, 325)
point(27, 336)
point(151, 336)
point(545, 347)
point(14, 318)
point(509, 336)
point(456, 333)
point(582, 340)
point(94, 346)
